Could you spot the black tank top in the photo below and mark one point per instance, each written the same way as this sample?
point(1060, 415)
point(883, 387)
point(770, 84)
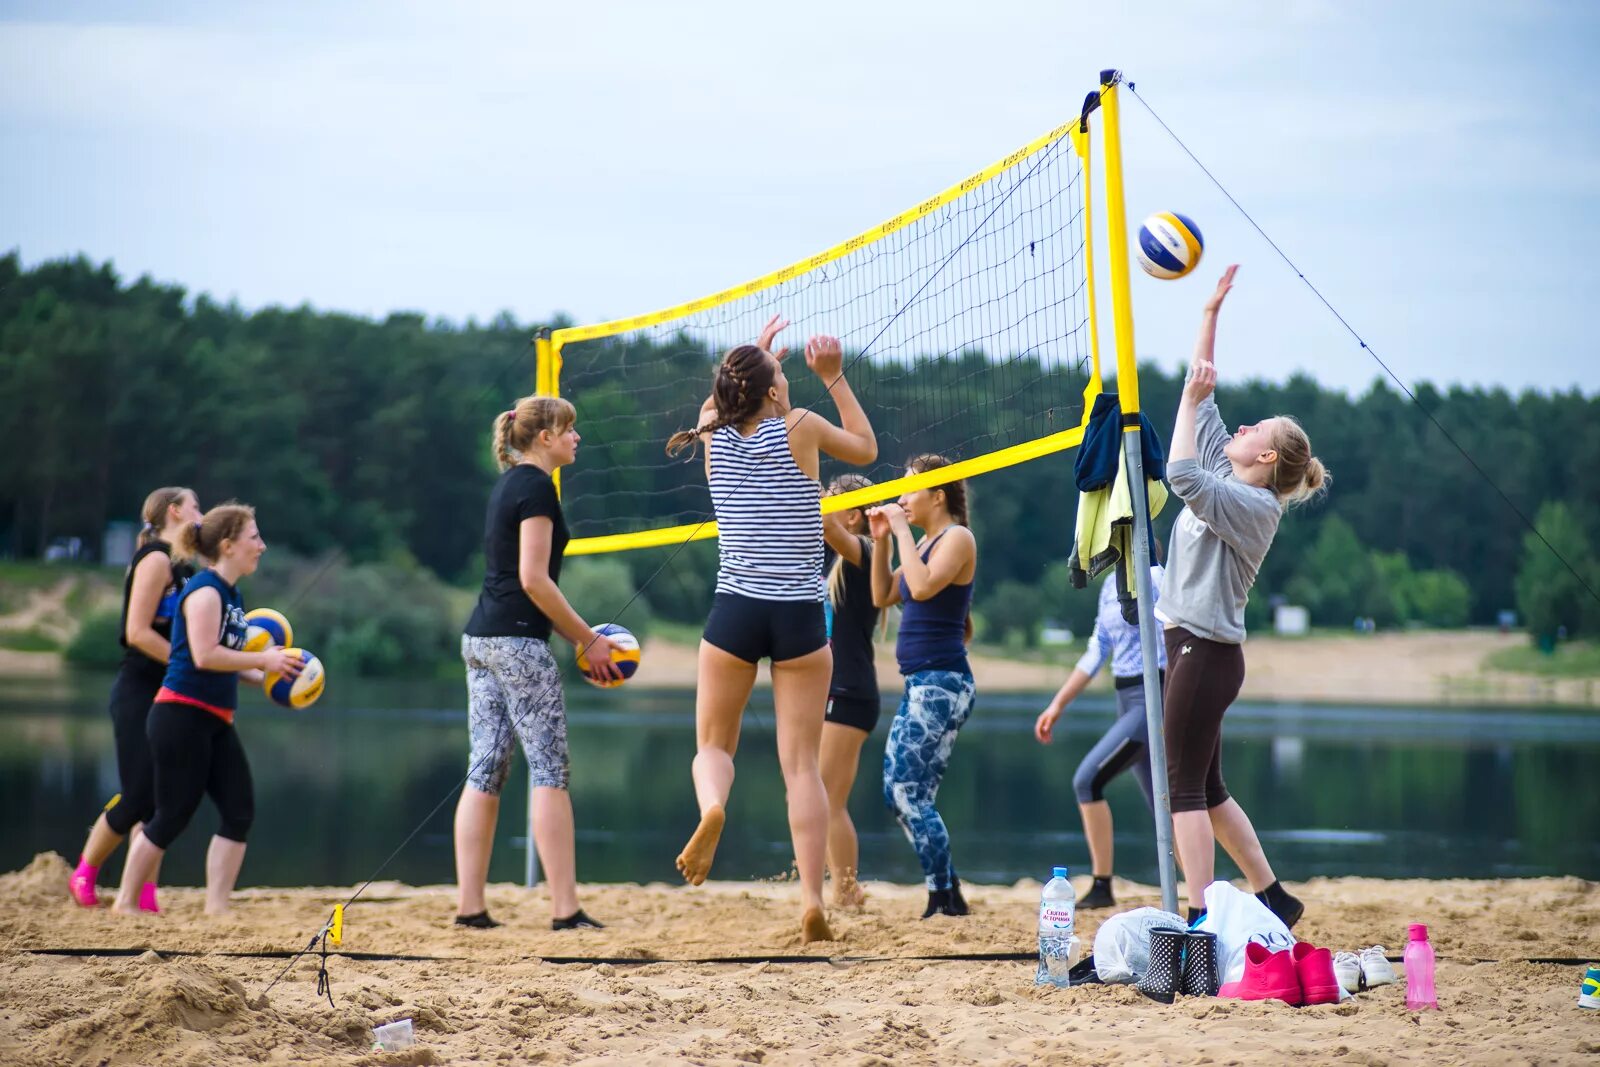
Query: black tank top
point(854, 619)
point(166, 608)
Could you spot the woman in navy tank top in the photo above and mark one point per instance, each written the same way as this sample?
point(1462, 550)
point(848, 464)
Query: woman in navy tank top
point(934, 584)
point(193, 744)
point(761, 465)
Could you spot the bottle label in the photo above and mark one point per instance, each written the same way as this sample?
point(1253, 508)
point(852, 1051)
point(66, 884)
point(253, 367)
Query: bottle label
point(1060, 918)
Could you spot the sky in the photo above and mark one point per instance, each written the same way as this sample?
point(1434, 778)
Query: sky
point(1433, 167)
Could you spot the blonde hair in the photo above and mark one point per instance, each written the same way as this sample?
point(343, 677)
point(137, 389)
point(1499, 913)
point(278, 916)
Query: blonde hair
point(225, 522)
point(1297, 476)
point(154, 512)
point(517, 429)
point(844, 483)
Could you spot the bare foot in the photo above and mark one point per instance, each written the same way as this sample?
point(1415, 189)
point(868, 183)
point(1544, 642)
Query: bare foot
point(694, 862)
point(814, 927)
point(118, 908)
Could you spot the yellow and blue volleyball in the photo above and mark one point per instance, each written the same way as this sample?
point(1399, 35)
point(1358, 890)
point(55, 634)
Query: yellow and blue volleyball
point(301, 691)
point(625, 655)
point(1591, 982)
point(265, 628)
point(1169, 245)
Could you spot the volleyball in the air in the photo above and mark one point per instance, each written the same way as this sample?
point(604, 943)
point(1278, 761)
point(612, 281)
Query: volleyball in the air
point(265, 628)
point(301, 691)
point(625, 655)
point(1169, 245)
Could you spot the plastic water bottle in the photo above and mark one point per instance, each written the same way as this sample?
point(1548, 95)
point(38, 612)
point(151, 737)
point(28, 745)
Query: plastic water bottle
point(1419, 971)
point(1056, 905)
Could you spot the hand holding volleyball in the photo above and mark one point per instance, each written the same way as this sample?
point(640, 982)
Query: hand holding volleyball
point(610, 658)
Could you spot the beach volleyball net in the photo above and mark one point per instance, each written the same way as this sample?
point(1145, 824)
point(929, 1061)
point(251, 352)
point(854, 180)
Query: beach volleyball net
point(968, 328)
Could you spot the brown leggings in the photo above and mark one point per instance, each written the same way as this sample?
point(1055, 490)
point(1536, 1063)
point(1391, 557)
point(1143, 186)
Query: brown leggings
point(1203, 677)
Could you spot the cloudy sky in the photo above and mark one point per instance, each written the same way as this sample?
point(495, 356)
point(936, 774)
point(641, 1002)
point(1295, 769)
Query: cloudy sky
point(1433, 167)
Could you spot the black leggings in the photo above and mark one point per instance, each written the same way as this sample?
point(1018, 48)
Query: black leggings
point(1203, 677)
point(196, 754)
point(131, 695)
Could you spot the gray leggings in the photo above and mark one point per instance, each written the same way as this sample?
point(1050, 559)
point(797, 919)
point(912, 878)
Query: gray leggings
point(514, 692)
point(1124, 747)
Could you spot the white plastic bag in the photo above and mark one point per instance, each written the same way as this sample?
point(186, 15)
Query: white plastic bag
point(1122, 944)
point(1238, 918)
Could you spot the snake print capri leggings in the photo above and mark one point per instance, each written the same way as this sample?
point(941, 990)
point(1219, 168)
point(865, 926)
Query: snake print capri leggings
point(514, 693)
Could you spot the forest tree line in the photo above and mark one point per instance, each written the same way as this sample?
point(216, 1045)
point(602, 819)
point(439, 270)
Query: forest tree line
point(369, 439)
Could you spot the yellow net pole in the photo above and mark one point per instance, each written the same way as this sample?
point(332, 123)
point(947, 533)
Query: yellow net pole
point(1133, 457)
point(1117, 239)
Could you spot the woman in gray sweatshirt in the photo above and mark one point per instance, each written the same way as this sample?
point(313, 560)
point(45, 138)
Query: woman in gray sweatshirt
point(1234, 489)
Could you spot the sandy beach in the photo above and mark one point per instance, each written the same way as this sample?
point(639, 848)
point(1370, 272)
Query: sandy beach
point(873, 997)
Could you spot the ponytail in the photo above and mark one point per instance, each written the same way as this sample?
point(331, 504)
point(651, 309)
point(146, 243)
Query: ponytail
point(739, 390)
point(225, 522)
point(154, 512)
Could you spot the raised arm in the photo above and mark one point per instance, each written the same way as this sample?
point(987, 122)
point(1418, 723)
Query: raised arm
point(852, 441)
point(1198, 432)
point(839, 538)
point(885, 582)
point(953, 554)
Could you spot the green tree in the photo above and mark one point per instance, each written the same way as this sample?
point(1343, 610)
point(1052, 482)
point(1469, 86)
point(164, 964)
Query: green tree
point(1549, 595)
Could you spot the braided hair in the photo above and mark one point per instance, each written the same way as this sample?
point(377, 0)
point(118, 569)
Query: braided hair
point(744, 376)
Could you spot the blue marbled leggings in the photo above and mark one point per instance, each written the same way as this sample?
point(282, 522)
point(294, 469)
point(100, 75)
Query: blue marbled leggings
point(935, 706)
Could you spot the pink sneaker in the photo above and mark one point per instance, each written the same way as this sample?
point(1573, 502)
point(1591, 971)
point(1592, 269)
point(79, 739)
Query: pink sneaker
point(147, 899)
point(1314, 967)
point(81, 885)
point(1267, 976)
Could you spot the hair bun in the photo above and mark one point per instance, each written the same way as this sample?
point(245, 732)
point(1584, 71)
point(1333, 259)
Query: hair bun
point(1316, 474)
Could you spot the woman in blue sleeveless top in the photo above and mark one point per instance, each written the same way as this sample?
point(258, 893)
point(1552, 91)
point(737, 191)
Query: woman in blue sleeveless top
point(761, 466)
point(934, 584)
point(193, 745)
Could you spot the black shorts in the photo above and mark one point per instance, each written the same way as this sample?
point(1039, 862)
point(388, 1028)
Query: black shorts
point(755, 629)
point(860, 712)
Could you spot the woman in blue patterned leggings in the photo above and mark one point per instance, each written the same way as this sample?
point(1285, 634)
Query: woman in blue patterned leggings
point(934, 584)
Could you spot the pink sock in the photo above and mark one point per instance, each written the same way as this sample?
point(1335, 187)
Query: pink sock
point(81, 884)
point(147, 898)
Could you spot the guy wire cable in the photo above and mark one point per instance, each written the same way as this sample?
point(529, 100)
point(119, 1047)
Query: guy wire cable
point(1368, 348)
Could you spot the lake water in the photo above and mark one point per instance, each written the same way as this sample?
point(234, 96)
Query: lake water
point(1391, 792)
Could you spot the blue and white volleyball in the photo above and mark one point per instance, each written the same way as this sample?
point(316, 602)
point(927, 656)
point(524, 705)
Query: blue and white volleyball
point(625, 655)
point(1169, 245)
point(302, 690)
point(265, 628)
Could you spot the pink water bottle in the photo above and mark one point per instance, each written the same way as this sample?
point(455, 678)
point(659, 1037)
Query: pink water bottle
point(1419, 970)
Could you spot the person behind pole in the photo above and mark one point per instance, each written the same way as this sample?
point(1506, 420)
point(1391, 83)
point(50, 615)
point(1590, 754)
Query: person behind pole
point(155, 577)
point(1124, 746)
point(194, 746)
point(513, 683)
point(761, 460)
point(934, 583)
point(853, 700)
point(1234, 488)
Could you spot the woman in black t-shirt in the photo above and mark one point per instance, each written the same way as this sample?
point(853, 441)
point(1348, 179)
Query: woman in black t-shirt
point(149, 598)
point(853, 692)
point(513, 683)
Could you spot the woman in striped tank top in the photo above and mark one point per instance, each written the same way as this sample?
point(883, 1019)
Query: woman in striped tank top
point(761, 459)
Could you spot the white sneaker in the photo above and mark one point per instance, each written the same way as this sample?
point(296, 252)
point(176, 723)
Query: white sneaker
point(1347, 968)
point(1375, 968)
